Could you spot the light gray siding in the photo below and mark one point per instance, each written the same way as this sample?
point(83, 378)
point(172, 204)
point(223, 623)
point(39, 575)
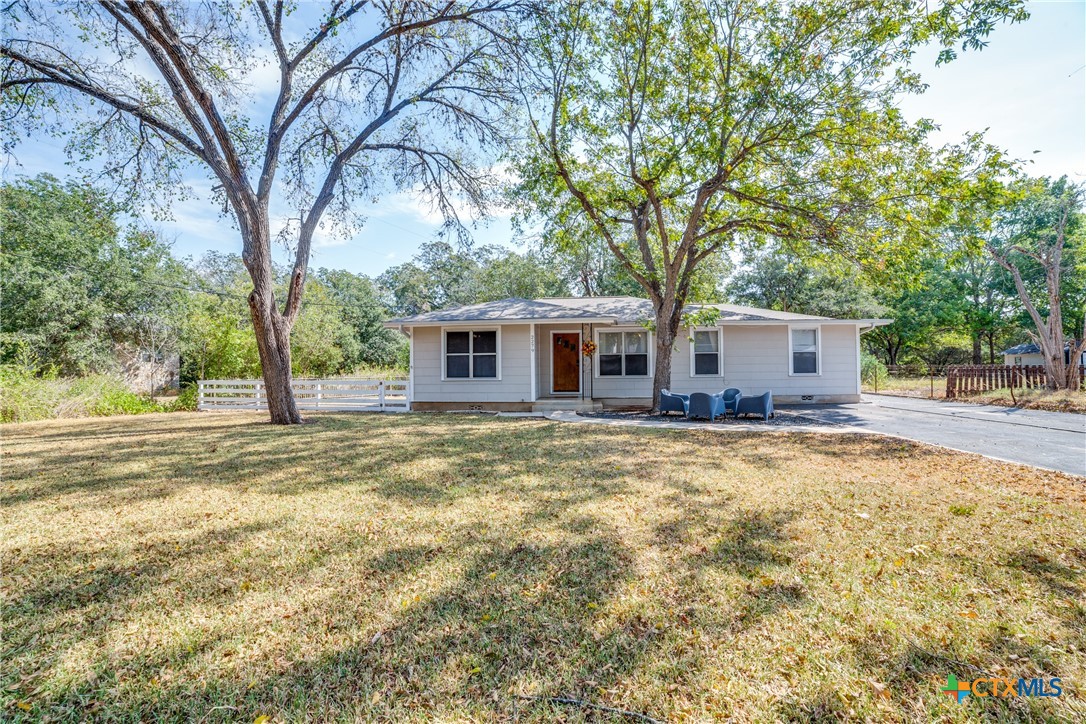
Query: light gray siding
point(755, 359)
point(515, 384)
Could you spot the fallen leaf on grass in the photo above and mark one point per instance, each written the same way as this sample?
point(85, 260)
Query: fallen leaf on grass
point(882, 691)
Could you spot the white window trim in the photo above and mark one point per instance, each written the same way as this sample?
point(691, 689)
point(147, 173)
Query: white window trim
point(719, 350)
point(580, 369)
point(818, 349)
point(471, 368)
point(599, 347)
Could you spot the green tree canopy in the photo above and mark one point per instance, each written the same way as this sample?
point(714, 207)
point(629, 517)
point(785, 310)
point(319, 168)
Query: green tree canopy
point(75, 282)
point(674, 130)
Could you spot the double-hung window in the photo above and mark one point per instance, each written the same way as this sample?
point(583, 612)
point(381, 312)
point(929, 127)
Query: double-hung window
point(471, 354)
point(804, 347)
point(624, 354)
point(705, 353)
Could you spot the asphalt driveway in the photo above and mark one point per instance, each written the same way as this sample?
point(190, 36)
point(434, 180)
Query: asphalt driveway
point(1053, 440)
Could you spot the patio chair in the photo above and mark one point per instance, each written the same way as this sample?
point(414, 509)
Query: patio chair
point(731, 398)
point(760, 405)
point(706, 407)
point(671, 402)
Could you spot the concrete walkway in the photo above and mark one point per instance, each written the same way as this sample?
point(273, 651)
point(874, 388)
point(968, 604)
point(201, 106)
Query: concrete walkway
point(1050, 440)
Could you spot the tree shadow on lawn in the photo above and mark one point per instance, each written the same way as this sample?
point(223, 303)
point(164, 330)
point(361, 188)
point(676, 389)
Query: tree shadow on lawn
point(896, 682)
point(1068, 585)
point(544, 620)
point(914, 673)
point(436, 459)
point(521, 618)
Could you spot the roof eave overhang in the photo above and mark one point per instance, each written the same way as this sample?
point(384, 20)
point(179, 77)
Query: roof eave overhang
point(815, 320)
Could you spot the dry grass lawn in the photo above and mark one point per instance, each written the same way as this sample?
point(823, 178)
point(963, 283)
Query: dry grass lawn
point(210, 567)
point(1053, 401)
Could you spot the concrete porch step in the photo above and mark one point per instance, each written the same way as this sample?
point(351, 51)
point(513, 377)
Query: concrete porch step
point(571, 405)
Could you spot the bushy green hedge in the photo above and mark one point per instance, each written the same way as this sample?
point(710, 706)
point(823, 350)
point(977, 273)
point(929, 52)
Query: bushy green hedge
point(121, 401)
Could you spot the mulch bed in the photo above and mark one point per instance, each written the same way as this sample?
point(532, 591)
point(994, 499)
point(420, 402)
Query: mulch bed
point(781, 418)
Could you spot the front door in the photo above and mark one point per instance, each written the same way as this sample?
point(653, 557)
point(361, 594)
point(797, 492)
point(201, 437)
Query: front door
point(566, 362)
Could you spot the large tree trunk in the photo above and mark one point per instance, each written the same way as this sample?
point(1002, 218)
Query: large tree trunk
point(273, 342)
point(272, 331)
point(978, 353)
point(668, 316)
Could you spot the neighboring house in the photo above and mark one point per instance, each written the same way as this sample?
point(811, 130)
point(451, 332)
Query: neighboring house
point(1030, 354)
point(521, 354)
point(148, 372)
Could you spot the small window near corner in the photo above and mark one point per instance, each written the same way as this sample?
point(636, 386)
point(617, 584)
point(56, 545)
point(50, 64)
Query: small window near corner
point(805, 351)
point(471, 355)
point(707, 352)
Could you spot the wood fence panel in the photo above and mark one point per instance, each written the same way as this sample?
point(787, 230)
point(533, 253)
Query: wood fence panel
point(965, 380)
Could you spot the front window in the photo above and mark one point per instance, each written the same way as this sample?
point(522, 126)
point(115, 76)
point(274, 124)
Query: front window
point(471, 355)
point(624, 354)
point(805, 351)
point(706, 349)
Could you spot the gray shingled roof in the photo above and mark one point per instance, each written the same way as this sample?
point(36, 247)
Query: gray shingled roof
point(1027, 348)
point(503, 310)
point(632, 309)
point(619, 310)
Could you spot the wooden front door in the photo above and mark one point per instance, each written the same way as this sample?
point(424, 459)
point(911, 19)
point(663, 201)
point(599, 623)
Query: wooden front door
point(566, 358)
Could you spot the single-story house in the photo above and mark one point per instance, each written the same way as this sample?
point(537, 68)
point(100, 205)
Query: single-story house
point(1030, 354)
point(524, 354)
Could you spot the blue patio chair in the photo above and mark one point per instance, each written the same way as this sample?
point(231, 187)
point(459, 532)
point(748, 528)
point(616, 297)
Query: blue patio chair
point(671, 402)
point(731, 399)
point(706, 407)
point(760, 405)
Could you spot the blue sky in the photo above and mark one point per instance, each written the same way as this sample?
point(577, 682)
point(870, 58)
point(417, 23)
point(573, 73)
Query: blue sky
point(1027, 88)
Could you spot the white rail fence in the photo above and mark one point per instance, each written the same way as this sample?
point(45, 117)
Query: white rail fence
point(333, 395)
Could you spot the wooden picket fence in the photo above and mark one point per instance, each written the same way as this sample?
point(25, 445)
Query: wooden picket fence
point(333, 395)
point(964, 380)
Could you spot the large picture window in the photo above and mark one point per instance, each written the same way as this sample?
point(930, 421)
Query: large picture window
point(804, 344)
point(705, 351)
point(623, 354)
point(471, 354)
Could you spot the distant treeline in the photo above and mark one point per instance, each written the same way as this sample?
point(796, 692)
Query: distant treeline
point(77, 283)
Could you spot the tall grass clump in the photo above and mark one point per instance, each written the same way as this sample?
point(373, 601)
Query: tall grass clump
point(28, 394)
